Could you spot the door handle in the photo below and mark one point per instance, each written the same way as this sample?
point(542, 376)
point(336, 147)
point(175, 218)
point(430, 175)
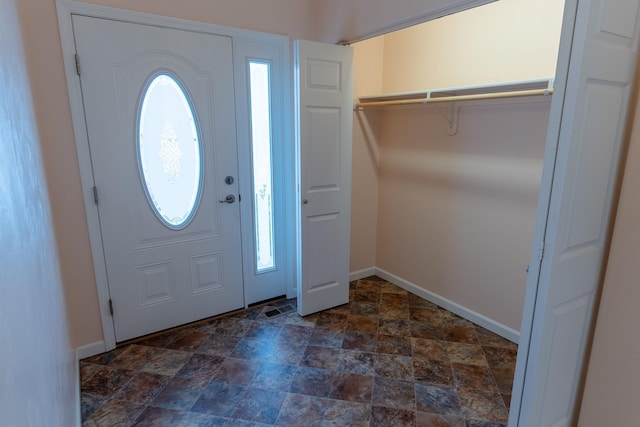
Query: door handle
point(229, 199)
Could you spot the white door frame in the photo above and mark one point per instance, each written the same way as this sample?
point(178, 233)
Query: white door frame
point(242, 40)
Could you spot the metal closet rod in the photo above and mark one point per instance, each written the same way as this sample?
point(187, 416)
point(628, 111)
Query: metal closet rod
point(428, 100)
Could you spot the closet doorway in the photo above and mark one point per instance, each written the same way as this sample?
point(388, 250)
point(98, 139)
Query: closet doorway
point(449, 197)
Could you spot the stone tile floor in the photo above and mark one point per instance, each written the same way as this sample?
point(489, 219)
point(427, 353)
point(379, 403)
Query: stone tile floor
point(388, 358)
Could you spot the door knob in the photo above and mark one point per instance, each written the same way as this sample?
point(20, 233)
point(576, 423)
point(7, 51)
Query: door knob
point(229, 199)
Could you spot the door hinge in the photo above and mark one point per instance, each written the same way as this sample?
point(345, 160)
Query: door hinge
point(95, 194)
point(77, 58)
point(541, 251)
point(111, 307)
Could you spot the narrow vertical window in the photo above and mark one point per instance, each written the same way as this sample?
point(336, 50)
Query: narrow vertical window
point(262, 179)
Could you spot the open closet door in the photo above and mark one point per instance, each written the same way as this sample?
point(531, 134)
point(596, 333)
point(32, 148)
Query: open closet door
point(324, 115)
point(586, 132)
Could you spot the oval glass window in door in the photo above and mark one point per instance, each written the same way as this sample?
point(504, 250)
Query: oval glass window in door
point(169, 151)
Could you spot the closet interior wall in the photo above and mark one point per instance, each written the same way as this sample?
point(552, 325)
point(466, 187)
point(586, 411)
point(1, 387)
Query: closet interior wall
point(454, 214)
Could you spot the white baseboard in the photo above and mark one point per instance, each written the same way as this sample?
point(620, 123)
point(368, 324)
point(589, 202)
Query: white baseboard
point(90, 350)
point(470, 315)
point(361, 274)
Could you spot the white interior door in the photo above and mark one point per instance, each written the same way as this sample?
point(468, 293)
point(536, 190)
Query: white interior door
point(159, 108)
point(324, 85)
point(585, 136)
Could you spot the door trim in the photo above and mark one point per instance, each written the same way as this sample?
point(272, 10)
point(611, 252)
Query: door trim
point(65, 10)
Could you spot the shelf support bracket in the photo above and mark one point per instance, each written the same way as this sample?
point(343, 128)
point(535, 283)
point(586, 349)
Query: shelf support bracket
point(453, 118)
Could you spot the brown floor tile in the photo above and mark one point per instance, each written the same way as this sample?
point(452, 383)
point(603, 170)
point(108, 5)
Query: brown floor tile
point(357, 362)
point(189, 340)
point(340, 413)
point(500, 357)
point(311, 381)
point(426, 331)
point(106, 381)
point(272, 376)
point(220, 399)
point(361, 308)
point(201, 366)
point(132, 357)
point(142, 388)
point(322, 338)
point(394, 345)
point(437, 399)
point(432, 372)
point(165, 362)
point(474, 377)
point(322, 358)
point(488, 338)
point(394, 366)
point(300, 410)
point(401, 328)
point(295, 334)
point(387, 357)
point(483, 405)
point(351, 387)
point(423, 348)
point(425, 419)
point(469, 354)
point(116, 412)
point(219, 345)
point(391, 393)
point(262, 406)
point(362, 324)
point(383, 416)
point(180, 393)
point(355, 340)
point(461, 334)
point(237, 371)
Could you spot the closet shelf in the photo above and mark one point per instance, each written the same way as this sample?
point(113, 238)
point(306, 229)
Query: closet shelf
point(523, 88)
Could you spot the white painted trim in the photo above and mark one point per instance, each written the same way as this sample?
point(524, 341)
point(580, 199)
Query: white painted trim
point(460, 310)
point(89, 350)
point(65, 10)
point(361, 274)
point(78, 399)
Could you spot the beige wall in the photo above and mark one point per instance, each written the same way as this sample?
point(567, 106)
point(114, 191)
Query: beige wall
point(456, 213)
point(368, 57)
point(37, 362)
point(42, 43)
point(351, 20)
point(503, 41)
point(611, 389)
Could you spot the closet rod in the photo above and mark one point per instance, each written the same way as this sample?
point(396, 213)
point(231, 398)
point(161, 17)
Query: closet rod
point(429, 100)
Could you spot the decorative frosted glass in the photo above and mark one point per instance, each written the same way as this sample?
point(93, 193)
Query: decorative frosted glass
point(261, 146)
point(169, 151)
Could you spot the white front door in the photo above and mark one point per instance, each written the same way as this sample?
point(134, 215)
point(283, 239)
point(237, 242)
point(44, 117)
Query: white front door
point(586, 131)
point(324, 86)
point(159, 108)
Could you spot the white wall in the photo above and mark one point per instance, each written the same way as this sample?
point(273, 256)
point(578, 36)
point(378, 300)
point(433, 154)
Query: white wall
point(37, 364)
